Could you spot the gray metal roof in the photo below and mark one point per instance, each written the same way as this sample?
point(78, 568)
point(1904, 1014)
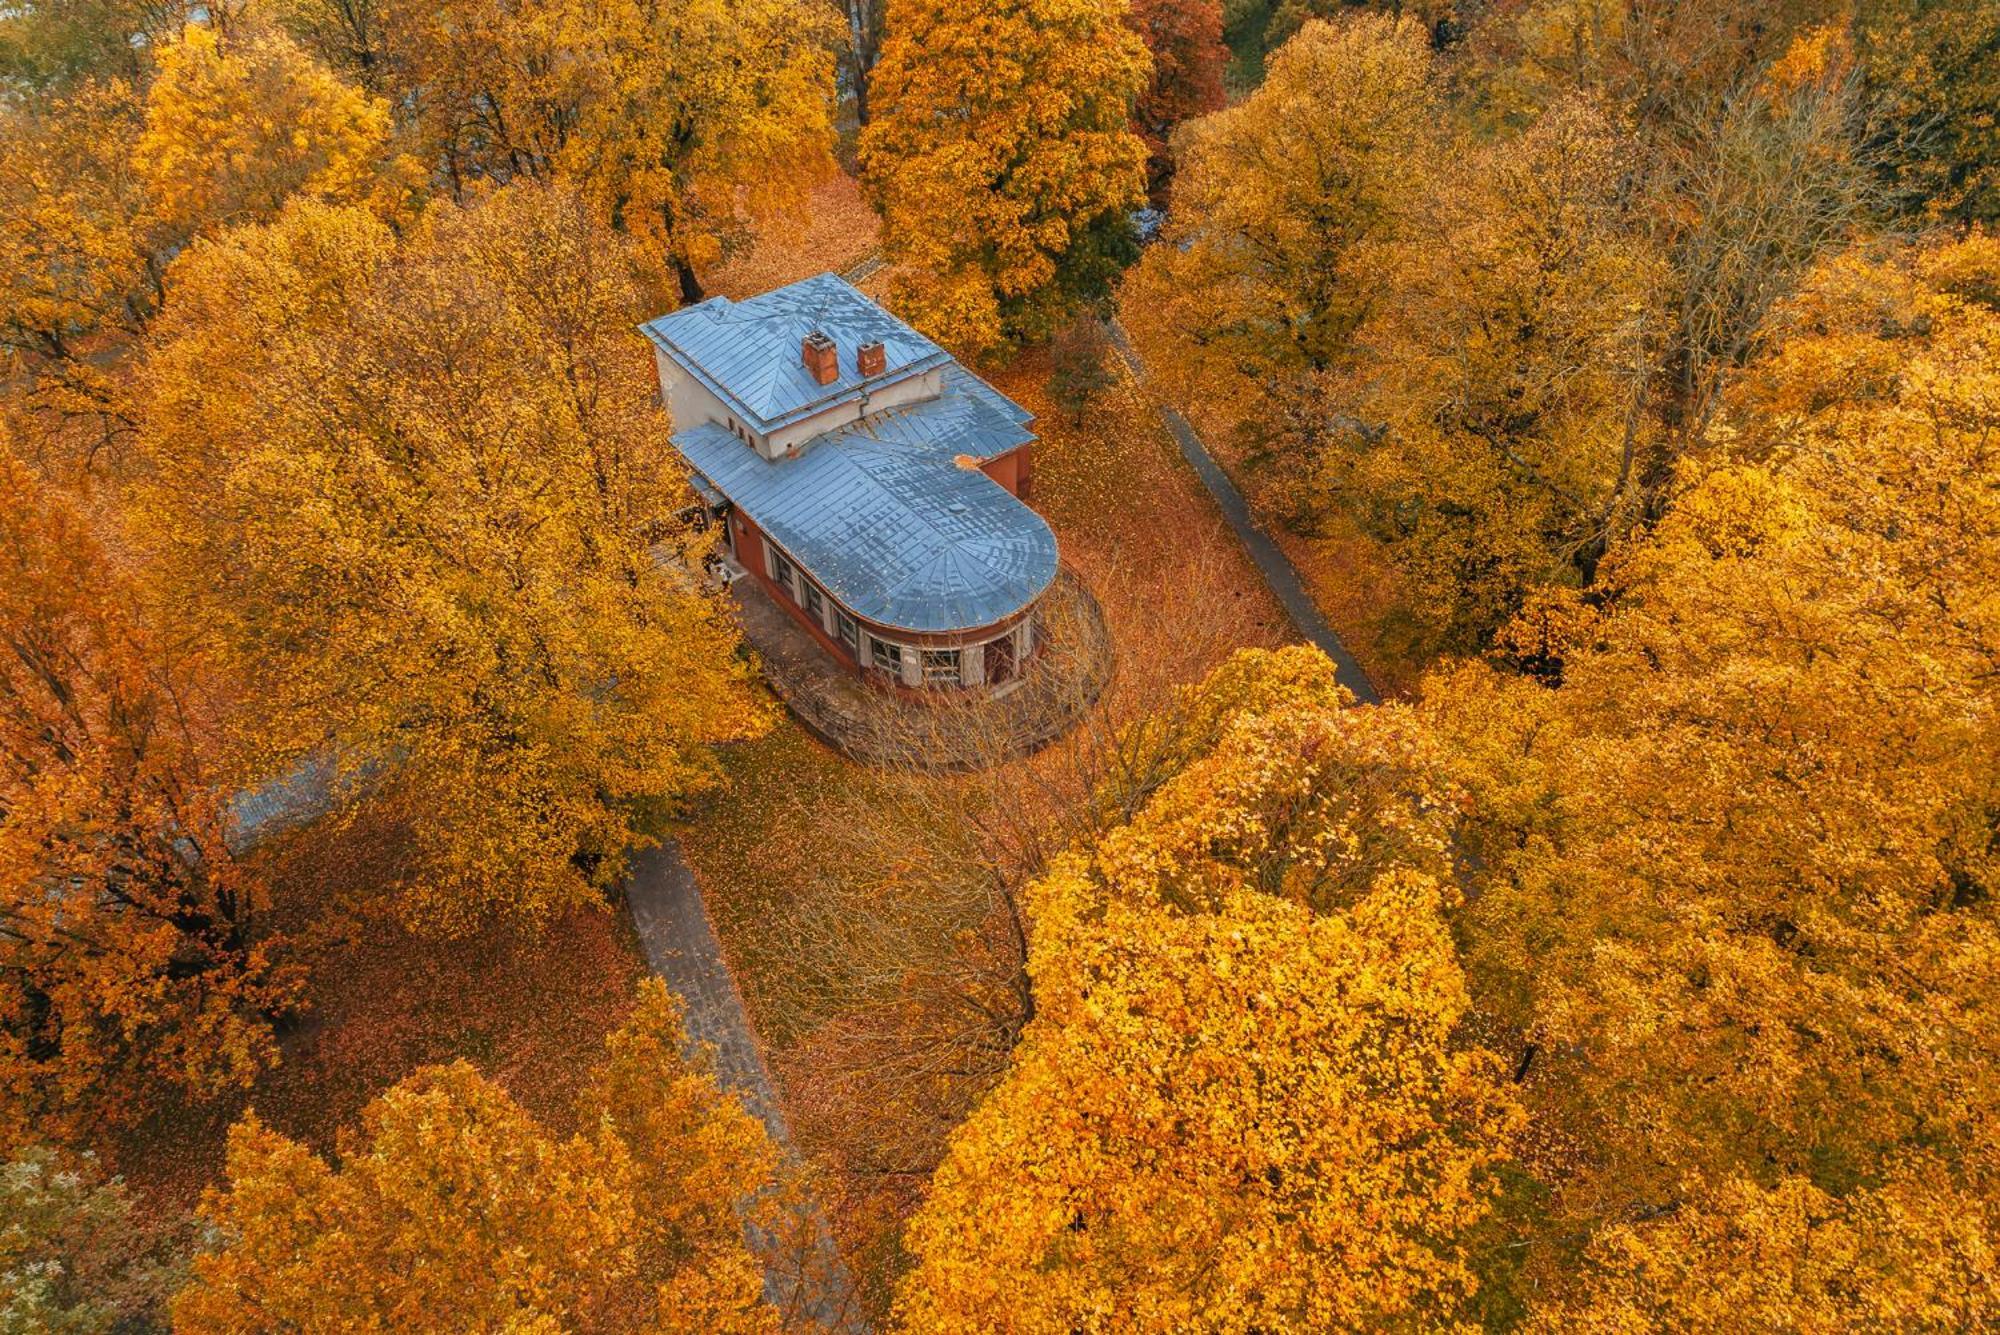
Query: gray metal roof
point(747, 352)
point(883, 515)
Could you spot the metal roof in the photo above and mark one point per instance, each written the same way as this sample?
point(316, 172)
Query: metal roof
point(748, 352)
point(886, 518)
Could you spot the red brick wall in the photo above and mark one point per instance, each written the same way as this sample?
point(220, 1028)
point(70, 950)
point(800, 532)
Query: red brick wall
point(1012, 470)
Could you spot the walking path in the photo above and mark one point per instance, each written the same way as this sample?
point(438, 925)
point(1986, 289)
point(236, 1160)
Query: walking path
point(1276, 567)
point(681, 946)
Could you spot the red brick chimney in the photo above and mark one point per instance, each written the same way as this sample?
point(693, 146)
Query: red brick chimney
point(869, 359)
point(821, 358)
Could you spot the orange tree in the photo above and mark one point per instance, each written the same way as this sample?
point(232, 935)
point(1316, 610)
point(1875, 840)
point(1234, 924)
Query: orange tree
point(1740, 861)
point(1244, 1100)
point(450, 1209)
point(419, 498)
point(130, 955)
point(1001, 155)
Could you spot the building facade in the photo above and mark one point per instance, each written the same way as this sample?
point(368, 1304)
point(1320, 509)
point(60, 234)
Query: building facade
point(872, 485)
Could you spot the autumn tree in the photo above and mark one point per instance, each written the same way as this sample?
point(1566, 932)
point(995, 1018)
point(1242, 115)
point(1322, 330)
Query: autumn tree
point(1281, 202)
point(80, 274)
point(1002, 159)
point(1933, 72)
point(676, 120)
point(236, 124)
point(419, 499)
point(1738, 861)
point(451, 1209)
point(1490, 428)
point(131, 957)
point(78, 1255)
point(1244, 1054)
point(1911, 1254)
point(1185, 41)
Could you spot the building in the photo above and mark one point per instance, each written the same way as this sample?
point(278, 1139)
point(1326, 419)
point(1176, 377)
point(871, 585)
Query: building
point(872, 485)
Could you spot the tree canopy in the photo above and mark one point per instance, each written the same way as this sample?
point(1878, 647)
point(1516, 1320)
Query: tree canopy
point(1001, 156)
point(418, 497)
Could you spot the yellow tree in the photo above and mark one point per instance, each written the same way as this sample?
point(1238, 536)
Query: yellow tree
point(75, 261)
point(420, 500)
point(1740, 865)
point(1490, 426)
point(682, 122)
point(1934, 70)
point(130, 959)
point(1912, 1254)
point(1280, 200)
point(451, 1209)
point(1244, 1101)
point(1001, 155)
point(237, 124)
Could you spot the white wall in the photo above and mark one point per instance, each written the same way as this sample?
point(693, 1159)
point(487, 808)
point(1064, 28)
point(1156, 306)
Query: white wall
point(691, 403)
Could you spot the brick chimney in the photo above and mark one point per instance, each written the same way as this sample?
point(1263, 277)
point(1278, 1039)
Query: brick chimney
point(821, 358)
point(869, 359)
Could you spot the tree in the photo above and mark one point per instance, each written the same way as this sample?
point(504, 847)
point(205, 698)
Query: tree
point(1280, 201)
point(1002, 159)
point(131, 956)
point(74, 251)
point(238, 124)
point(1489, 429)
point(1933, 71)
point(1738, 865)
point(678, 121)
point(419, 498)
point(76, 1256)
point(1912, 1254)
point(450, 1209)
point(1244, 1053)
point(1185, 41)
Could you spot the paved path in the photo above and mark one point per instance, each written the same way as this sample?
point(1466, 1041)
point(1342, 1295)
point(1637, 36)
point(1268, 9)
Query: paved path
point(1277, 568)
point(681, 946)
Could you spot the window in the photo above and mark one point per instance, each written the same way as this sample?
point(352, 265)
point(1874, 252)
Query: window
point(784, 570)
point(849, 633)
point(815, 605)
point(887, 656)
point(940, 667)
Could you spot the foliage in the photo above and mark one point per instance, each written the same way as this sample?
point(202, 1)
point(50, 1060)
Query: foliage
point(76, 1257)
point(451, 1209)
point(1934, 72)
point(73, 246)
point(1184, 38)
point(420, 499)
point(129, 949)
point(1002, 160)
point(1912, 1254)
point(235, 126)
point(1489, 428)
point(1740, 867)
point(676, 120)
point(1241, 1102)
point(1280, 201)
